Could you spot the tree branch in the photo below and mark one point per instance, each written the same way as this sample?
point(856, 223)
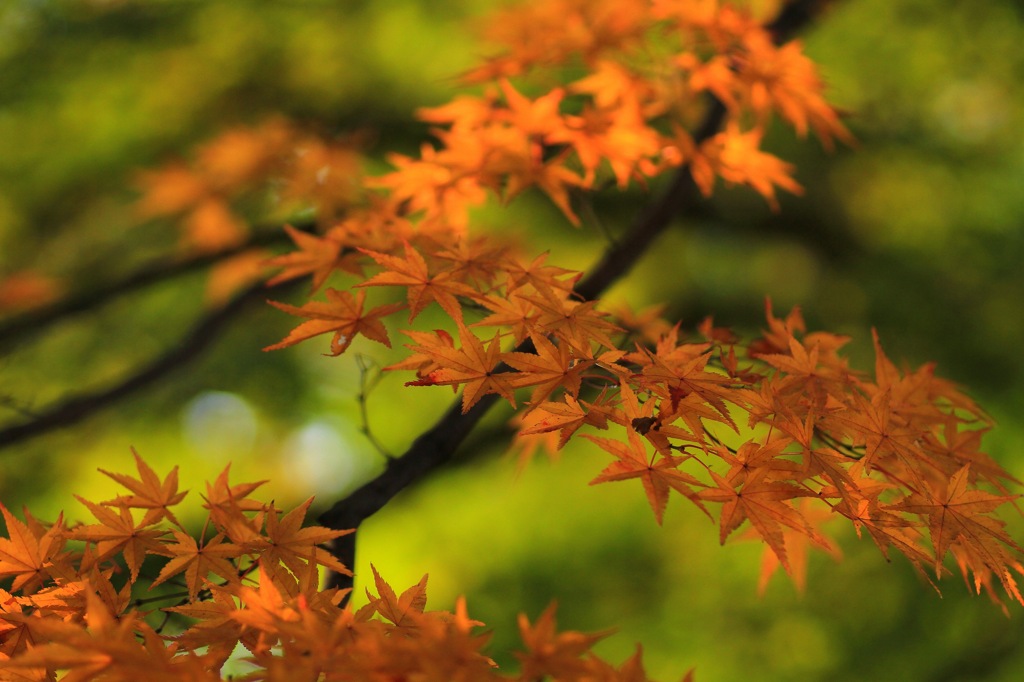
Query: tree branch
point(151, 273)
point(794, 17)
point(437, 445)
point(77, 408)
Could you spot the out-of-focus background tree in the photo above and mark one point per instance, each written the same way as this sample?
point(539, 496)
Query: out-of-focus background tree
point(917, 231)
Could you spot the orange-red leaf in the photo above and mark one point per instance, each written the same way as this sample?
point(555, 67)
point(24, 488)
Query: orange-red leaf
point(150, 493)
point(658, 473)
point(342, 314)
point(411, 272)
point(764, 503)
point(400, 610)
point(317, 256)
point(196, 561)
point(472, 366)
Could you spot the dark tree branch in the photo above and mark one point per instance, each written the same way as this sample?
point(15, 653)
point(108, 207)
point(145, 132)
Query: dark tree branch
point(158, 270)
point(794, 17)
point(438, 444)
point(680, 194)
point(77, 408)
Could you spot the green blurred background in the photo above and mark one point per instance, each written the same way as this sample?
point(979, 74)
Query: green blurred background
point(916, 231)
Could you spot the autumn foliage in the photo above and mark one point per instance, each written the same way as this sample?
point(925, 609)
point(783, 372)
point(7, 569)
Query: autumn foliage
point(777, 434)
point(252, 577)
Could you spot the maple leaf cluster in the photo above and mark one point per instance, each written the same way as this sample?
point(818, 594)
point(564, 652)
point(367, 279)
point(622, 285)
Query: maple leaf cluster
point(246, 173)
point(646, 65)
point(897, 454)
point(646, 68)
point(205, 192)
point(776, 433)
point(75, 601)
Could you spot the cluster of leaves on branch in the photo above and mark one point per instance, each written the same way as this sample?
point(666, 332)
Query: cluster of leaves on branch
point(896, 454)
point(244, 174)
point(251, 577)
point(212, 195)
point(778, 431)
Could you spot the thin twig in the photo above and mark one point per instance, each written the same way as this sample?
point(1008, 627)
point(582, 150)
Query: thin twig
point(586, 204)
point(366, 384)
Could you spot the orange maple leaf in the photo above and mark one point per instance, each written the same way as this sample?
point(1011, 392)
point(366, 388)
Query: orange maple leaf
point(103, 643)
point(658, 473)
point(400, 610)
point(883, 433)
point(187, 556)
point(512, 310)
point(412, 272)
point(27, 556)
point(475, 262)
point(860, 503)
point(577, 323)
point(437, 183)
point(565, 416)
point(424, 359)
point(619, 137)
point(540, 276)
point(118, 533)
point(737, 158)
point(264, 608)
point(215, 627)
point(550, 368)
point(342, 314)
point(549, 652)
point(150, 493)
point(221, 494)
point(763, 502)
point(212, 226)
point(551, 177)
point(797, 543)
point(955, 512)
point(678, 373)
point(317, 256)
point(296, 547)
point(472, 365)
point(534, 117)
point(785, 79)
